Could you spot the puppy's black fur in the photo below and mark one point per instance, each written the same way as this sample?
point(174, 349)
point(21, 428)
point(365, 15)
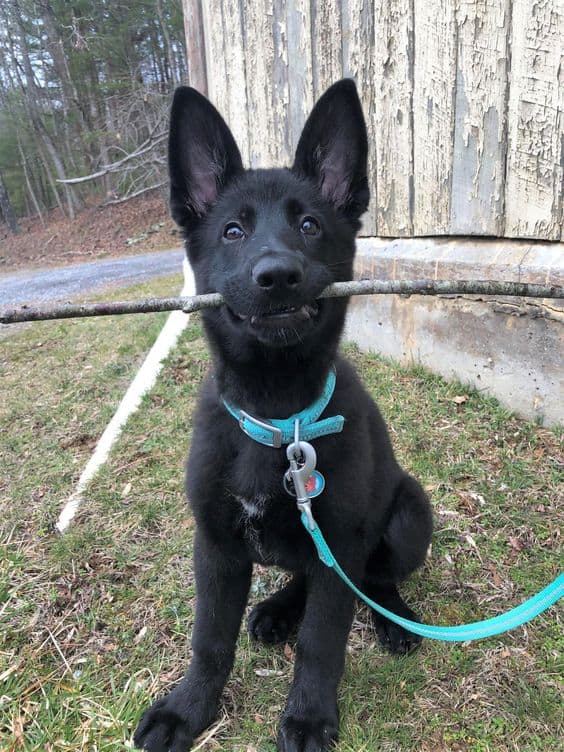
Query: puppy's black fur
point(269, 241)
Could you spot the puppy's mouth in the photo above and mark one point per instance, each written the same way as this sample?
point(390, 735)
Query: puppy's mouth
point(282, 316)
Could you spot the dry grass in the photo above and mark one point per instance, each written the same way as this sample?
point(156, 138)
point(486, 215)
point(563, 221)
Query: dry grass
point(95, 624)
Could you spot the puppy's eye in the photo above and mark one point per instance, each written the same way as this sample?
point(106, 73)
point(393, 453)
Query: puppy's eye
point(233, 231)
point(309, 226)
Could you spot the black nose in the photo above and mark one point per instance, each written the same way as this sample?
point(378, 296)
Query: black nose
point(278, 272)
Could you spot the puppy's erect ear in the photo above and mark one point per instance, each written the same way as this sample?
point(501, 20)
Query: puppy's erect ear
point(202, 156)
point(333, 149)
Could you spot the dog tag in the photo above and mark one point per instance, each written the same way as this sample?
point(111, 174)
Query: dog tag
point(314, 485)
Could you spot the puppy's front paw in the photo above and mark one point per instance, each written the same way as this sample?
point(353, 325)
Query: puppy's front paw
point(393, 638)
point(163, 728)
point(307, 734)
point(271, 623)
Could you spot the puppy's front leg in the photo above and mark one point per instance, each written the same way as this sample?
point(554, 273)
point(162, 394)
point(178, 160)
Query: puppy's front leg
point(223, 577)
point(310, 722)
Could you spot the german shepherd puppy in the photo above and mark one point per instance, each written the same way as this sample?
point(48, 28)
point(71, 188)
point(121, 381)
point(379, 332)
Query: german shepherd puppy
point(270, 241)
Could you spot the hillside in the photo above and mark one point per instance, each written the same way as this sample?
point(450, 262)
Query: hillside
point(141, 224)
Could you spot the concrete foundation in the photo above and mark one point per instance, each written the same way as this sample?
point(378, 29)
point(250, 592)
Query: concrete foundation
point(511, 348)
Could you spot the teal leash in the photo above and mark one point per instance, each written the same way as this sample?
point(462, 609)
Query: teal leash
point(305, 425)
point(475, 631)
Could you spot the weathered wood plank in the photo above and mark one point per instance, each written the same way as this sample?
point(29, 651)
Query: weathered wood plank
point(300, 73)
point(480, 134)
point(433, 114)
point(357, 32)
point(533, 191)
point(280, 90)
point(393, 141)
point(326, 44)
point(195, 44)
point(458, 144)
point(235, 85)
point(212, 16)
point(259, 62)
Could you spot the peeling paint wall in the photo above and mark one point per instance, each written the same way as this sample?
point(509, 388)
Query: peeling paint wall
point(464, 102)
point(512, 355)
point(509, 348)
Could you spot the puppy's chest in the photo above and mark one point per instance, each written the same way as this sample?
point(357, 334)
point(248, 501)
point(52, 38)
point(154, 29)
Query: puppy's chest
point(267, 518)
point(255, 478)
point(272, 531)
point(251, 522)
point(264, 520)
point(266, 515)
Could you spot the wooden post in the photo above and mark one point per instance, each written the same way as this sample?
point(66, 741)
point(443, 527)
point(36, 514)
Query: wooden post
point(195, 45)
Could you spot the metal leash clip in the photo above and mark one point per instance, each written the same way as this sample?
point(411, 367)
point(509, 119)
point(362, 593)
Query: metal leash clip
point(302, 458)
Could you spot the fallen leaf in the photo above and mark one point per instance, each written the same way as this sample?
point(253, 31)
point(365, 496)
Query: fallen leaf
point(471, 501)
point(264, 672)
point(516, 544)
point(139, 636)
point(18, 732)
point(289, 653)
point(460, 399)
point(498, 582)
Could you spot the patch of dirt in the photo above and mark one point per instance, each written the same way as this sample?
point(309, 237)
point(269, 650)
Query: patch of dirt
point(137, 226)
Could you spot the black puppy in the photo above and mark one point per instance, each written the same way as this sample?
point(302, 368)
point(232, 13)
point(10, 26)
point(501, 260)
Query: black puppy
point(270, 241)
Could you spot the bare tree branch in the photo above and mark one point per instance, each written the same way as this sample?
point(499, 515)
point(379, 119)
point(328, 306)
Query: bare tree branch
point(339, 289)
point(117, 166)
point(123, 199)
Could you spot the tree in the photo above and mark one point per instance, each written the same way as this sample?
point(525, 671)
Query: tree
point(82, 86)
point(6, 207)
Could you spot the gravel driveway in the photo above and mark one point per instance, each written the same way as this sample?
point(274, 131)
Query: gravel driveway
point(72, 282)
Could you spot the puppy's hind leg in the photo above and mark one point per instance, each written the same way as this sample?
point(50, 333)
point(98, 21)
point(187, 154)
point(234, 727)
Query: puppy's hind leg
point(275, 618)
point(400, 551)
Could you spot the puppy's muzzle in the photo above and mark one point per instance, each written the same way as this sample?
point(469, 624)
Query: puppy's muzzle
point(279, 273)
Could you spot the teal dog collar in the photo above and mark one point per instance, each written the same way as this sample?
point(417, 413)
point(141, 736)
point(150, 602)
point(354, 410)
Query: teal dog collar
point(276, 432)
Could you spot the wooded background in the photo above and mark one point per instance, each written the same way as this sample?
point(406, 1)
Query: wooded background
point(463, 100)
point(83, 86)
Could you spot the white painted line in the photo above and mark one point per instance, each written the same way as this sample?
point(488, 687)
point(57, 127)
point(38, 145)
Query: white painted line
point(141, 384)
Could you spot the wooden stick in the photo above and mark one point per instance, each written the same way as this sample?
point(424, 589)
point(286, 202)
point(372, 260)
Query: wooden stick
point(339, 289)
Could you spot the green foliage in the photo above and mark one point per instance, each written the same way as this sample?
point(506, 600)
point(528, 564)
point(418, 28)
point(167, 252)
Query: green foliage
point(99, 73)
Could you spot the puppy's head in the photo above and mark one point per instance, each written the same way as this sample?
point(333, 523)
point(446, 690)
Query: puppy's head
point(270, 240)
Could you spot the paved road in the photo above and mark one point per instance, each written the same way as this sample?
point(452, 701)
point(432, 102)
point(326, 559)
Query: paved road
point(72, 282)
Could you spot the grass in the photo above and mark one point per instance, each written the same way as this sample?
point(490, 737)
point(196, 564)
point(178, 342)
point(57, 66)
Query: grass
point(96, 623)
